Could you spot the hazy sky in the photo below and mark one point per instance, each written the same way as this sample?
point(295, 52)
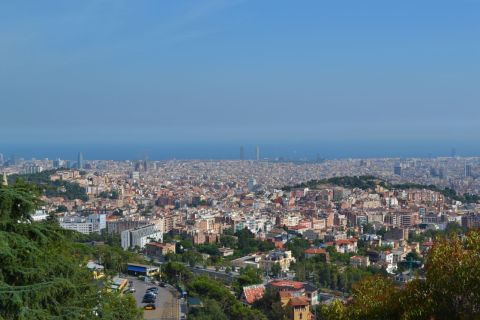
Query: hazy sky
point(258, 70)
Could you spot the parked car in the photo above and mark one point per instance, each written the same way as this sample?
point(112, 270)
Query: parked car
point(148, 300)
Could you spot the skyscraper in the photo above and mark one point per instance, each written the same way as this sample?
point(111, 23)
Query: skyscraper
point(468, 170)
point(453, 152)
point(257, 153)
point(242, 153)
point(397, 169)
point(80, 164)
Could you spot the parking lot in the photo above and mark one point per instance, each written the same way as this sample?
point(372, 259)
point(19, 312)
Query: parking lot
point(167, 304)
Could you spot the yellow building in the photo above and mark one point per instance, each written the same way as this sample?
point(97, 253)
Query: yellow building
point(300, 309)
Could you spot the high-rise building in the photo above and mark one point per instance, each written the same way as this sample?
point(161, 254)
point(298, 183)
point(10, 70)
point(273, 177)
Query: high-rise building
point(442, 173)
point(257, 153)
point(32, 168)
point(453, 152)
point(2, 160)
point(468, 170)
point(80, 164)
point(242, 153)
point(397, 169)
point(58, 163)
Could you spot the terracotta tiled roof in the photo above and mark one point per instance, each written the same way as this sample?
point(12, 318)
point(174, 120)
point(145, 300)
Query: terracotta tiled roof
point(253, 293)
point(315, 251)
point(299, 301)
point(287, 283)
point(348, 241)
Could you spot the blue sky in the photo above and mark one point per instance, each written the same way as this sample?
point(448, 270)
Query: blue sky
point(212, 71)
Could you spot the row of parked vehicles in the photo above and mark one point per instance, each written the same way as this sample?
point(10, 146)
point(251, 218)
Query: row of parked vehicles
point(149, 298)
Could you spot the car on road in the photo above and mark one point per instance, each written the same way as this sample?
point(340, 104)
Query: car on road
point(148, 301)
point(162, 284)
point(148, 298)
point(150, 294)
point(150, 306)
point(132, 290)
point(153, 289)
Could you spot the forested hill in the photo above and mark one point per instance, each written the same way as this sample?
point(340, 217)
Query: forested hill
point(371, 182)
point(42, 270)
point(67, 190)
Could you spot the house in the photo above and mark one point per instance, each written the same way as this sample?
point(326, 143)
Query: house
point(159, 250)
point(252, 293)
point(360, 261)
point(346, 246)
point(299, 309)
point(225, 252)
point(289, 289)
point(277, 256)
point(386, 257)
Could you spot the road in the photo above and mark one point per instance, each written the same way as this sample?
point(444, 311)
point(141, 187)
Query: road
point(167, 302)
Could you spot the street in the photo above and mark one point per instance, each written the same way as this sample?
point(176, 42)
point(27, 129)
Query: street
point(167, 303)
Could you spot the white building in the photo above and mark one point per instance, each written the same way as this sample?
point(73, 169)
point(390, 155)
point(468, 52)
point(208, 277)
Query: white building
point(86, 225)
point(40, 215)
point(140, 236)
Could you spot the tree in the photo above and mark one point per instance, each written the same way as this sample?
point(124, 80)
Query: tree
point(205, 287)
point(297, 246)
point(211, 310)
point(270, 305)
point(374, 298)
point(276, 270)
point(228, 241)
point(174, 272)
point(42, 271)
point(248, 276)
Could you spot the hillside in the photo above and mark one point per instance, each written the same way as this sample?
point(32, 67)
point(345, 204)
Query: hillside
point(371, 182)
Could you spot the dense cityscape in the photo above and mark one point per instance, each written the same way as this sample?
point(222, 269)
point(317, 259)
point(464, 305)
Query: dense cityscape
point(239, 160)
point(285, 239)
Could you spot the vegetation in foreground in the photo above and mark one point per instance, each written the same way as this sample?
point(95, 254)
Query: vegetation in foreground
point(42, 270)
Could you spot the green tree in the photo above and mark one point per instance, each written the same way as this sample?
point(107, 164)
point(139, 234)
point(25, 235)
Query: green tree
point(270, 305)
point(42, 270)
point(276, 269)
point(205, 287)
point(174, 272)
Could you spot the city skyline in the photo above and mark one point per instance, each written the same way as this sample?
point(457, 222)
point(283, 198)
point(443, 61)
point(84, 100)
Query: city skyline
point(287, 152)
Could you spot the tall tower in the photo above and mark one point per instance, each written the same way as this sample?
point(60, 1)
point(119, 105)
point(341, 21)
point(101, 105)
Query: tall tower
point(453, 152)
point(4, 180)
point(257, 153)
point(242, 153)
point(397, 169)
point(468, 170)
point(80, 164)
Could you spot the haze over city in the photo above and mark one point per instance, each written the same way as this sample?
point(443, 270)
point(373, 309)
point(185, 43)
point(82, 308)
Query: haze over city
point(197, 79)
